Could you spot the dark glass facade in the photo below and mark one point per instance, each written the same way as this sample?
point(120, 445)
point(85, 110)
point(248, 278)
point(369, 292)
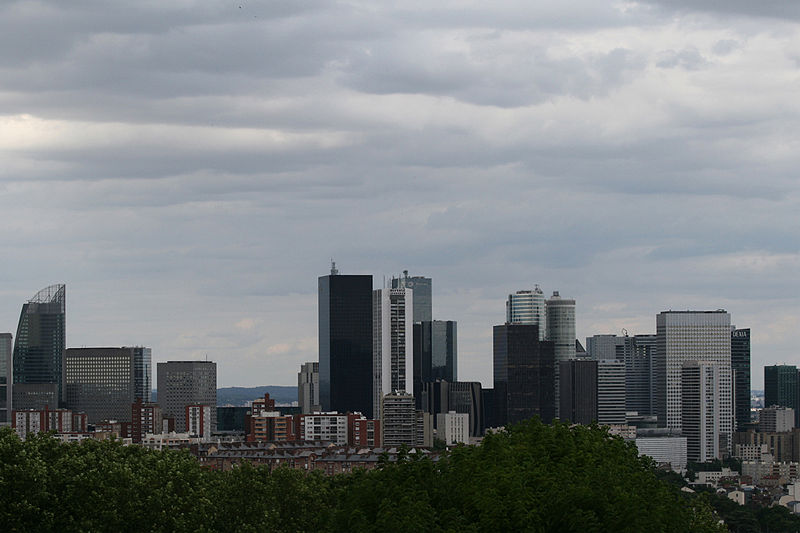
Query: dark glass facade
point(637, 353)
point(524, 374)
point(423, 311)
point(440, 397)
point(41, 340)
point(435, 353)
point(578, 386)
point(740, 364)
point(345, 343)
point(781, 387)
point(231, 419)
point(6, 364)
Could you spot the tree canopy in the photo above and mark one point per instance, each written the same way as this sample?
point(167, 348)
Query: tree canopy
point(530, 477)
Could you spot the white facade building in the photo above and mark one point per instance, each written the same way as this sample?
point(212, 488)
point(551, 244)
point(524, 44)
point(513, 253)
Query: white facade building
point(610, 392)
point(685, 336)
point(329, 427)
point(664, 450)
point(453, 427)
point(527, 307)
point(706, 409)
point(199, 420)
point(393, 343)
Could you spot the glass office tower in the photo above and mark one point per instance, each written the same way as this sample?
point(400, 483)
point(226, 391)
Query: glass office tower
point(6, 379)
point(524, 374)
point(345, 343)
point(740, 363)
point(41, 340)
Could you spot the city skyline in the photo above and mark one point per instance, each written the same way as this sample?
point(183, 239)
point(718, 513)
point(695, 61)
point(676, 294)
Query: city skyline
point(619, 336)
point(188, 169)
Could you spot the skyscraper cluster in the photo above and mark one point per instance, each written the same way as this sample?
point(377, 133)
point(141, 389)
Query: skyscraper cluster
point(39, 376)
point(385, 362)
point(690, 377)
point(379, 348)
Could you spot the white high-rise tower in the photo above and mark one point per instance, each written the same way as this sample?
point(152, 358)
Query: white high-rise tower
point(393, 343)
point(527, 307)
point(691, 336)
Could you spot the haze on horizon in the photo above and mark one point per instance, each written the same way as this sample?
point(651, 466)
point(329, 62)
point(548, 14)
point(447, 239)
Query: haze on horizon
point(188, 168)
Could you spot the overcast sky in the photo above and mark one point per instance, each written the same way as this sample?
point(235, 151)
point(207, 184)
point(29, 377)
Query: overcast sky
point(188, 168)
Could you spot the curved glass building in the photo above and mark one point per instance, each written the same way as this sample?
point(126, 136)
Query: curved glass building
point(41, 340)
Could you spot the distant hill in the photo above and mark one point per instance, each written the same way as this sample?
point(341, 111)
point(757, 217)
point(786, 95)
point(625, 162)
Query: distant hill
point(241, 395)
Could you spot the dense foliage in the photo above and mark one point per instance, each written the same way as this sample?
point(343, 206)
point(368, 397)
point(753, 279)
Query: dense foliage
point(532, 477)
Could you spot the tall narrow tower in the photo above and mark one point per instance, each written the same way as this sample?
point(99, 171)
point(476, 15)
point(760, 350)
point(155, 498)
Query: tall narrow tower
point(6, 377)
point(561, 332)
point(41, 340)
point(740, 364)
point(345, 343)
point(393, 343)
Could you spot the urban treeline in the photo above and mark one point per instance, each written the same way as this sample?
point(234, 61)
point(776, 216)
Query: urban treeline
point(529, 477)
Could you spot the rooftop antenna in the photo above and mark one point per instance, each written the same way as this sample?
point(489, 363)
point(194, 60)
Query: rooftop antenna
point(334, 271)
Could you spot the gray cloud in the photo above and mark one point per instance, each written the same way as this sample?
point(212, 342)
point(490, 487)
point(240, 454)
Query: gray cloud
point(189, 169)
point(784, 9)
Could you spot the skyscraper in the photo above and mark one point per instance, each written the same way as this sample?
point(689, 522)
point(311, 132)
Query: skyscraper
point(6, 378)
point(637, 353)
point(592, 391)
point(182, 383)
point(524, 374)
point(781, 388)
point(527, 307)
point(603, 346)
point(740, 364)
point(561, 332)
point(345, 343)
point(705, 409)
point(686, 336)
point(423, 300)
point(435, 354)
point(393, 343)
point(610, 392)
point(462, 397)
point(308, 388)
point(41, 340)
point(578, 386)
point(105, 382)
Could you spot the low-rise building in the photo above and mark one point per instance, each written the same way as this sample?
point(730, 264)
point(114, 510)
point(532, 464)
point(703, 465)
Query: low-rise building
point(770, 473)
point(199, 420)
point(665, 450)
point(31, 421)
point(329, 427)
point(776, 419)
point(713, 477)
point(453, 427)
